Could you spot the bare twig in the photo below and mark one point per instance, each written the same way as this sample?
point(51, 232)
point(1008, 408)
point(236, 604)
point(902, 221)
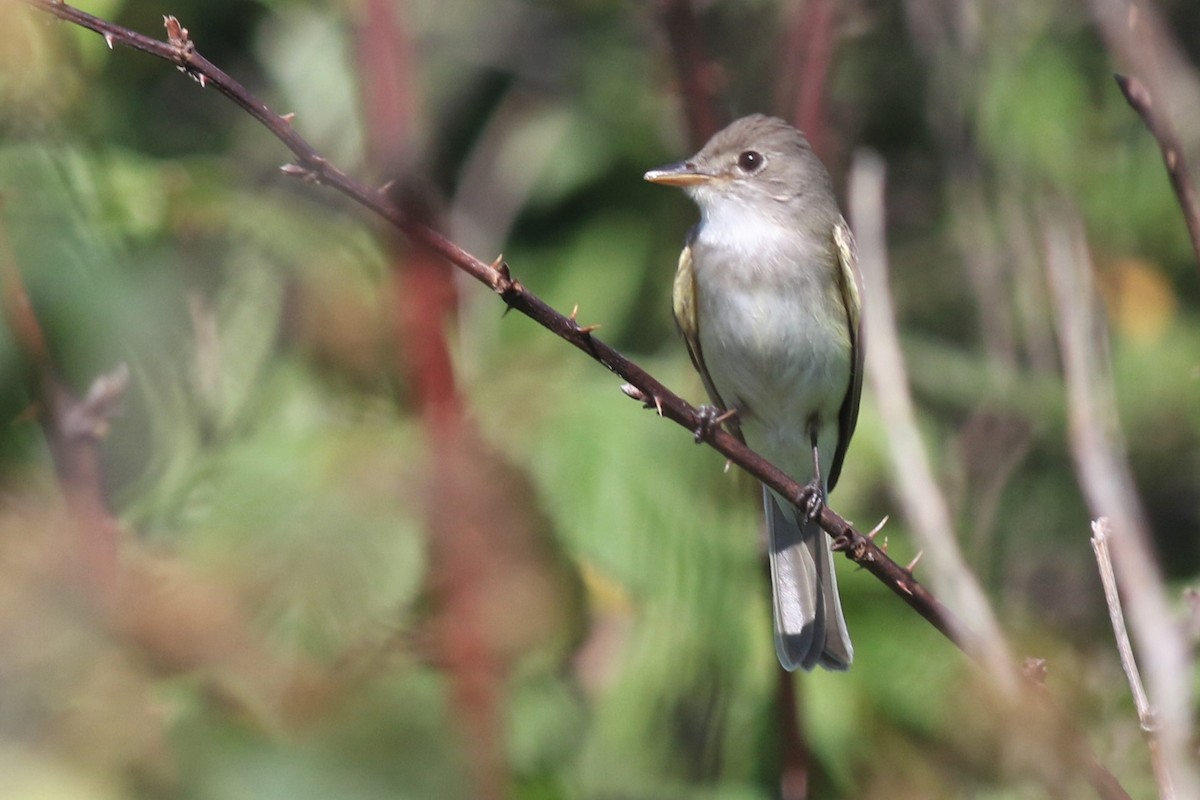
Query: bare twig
point(919, 492)
point(1144, 44)
point(1159, 124)
point(1100, 535)
point(1104, 476)
point(310, 165)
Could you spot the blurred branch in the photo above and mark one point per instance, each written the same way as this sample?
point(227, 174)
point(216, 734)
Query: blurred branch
point(470, 526)
point(1101, 532)
point(923, 500)
point(1159, 124)
point(384, 53)
point(177, 620)
point(919, 493)
point(1143, 44)
point(73, 428)
point(641, 386)
point(807, 59)
point(694, 71)
point(1105, 478)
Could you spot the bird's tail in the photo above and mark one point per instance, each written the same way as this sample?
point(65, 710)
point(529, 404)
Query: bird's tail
point(809, 626)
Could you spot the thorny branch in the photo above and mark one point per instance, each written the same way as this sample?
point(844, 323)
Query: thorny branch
point(642, 386)
point(1160, 127)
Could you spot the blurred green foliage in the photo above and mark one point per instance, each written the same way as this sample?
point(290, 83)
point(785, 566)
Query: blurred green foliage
point(269, 459)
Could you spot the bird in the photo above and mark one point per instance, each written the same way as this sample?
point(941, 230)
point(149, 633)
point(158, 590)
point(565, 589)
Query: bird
point(768, 298)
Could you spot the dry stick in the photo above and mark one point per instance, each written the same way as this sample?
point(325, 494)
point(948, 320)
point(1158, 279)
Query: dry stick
point(1101, 531)
point(311, 166)
point(923, 501)
point(925, 505)
point(1159, 124)
point(1104, 477)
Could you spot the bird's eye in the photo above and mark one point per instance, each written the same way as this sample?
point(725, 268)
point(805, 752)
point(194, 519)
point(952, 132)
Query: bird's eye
point(750, 160)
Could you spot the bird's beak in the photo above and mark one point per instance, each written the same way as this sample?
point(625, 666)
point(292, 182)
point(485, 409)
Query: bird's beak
point(685, 173)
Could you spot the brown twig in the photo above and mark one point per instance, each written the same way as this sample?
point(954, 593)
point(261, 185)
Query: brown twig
point(1159, 124)
point(310, 165)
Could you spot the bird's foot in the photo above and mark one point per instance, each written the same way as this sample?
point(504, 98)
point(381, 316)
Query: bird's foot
point(813, 500)
point(710, 419)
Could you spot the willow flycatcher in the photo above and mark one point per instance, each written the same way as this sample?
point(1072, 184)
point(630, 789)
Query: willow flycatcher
point(768, 298)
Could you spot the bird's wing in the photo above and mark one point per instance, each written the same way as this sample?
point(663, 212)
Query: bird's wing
point(851, 286)
point(687, 318)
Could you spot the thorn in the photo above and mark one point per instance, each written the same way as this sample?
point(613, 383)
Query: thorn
point(306, 174)
point(177, 36)
point(728, 415)
point(913, 564)
point(658, 404)
point(108, 39)
point(202, 79)
point(291, 115)
point(504, 279)
point(633, 392)
point(728, 464)
point(875, 531)
point(573, 318)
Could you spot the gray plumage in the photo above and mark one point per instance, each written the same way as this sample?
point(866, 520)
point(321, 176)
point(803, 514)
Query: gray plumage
point(767, 297)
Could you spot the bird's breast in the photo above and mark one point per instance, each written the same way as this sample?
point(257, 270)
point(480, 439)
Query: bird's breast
point(775, 336)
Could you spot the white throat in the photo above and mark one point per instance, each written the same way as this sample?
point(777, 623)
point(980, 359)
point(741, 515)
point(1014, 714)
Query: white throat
point(740, 228)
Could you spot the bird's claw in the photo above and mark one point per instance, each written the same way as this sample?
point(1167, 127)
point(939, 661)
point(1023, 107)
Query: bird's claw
point(814, 500)
point(709, 419)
